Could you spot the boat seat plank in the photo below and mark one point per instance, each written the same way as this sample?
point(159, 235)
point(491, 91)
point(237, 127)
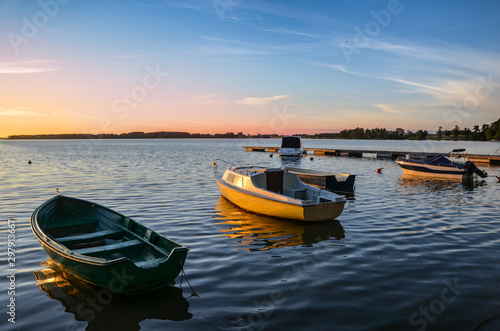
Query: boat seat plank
point(94, 236)
point(63, 230)
point(107, 249)
point(78, 221)
point(150, 263)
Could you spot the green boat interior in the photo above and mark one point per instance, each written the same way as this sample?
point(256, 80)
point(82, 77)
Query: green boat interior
point(94, 231)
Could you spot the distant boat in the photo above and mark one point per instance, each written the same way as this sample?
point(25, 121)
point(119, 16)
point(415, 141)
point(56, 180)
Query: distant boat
point(291, 146)
point(440, 167)
point(277, 193)
point(104, 247)
point(332, 181)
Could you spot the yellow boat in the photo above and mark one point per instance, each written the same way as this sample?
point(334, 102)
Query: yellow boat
point(275, 192)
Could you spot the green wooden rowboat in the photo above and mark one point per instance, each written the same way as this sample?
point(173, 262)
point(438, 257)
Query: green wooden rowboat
point(104, 247)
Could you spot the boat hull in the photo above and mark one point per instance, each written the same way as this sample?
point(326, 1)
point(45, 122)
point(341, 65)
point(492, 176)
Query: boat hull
point(281, 209)
point(292, 151)
point(433, 171)
point(120, 277)
point(121, 274)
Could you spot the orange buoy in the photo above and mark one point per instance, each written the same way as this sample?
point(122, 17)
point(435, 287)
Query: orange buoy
point(29, 162)
point(379, 170)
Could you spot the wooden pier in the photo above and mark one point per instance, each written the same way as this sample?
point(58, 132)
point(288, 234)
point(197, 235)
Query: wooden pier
point(262, 149)
point(476, 158)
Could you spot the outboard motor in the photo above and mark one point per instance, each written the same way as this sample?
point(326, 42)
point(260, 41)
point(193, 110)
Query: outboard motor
point(471, 168)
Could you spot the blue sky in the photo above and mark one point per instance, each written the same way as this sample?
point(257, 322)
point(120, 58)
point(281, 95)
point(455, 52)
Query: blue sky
point(251, 66)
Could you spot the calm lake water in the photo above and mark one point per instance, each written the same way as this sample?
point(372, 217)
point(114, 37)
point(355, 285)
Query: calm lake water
point(406, 254)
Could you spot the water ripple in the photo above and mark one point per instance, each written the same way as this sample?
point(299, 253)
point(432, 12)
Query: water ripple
point(399, 245)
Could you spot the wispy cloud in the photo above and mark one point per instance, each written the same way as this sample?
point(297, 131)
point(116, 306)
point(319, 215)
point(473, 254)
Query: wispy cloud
point(289, 32)
point(423, 87)
point(127, 56)
point(338, 67)
point(447, 73)
point(390, 109)
point(285, 50)
point(255, 101)
point(230, 41)
point(27, 67)
point(18, 112)
point(233, 47)
point(173, 4)
point(206, 100)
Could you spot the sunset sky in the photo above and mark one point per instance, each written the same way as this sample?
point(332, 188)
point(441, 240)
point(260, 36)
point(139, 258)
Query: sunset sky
point(276, 66)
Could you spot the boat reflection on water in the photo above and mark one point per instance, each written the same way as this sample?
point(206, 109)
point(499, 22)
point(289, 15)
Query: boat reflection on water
point(104, 310)
point(255, 232)
point(438, 184)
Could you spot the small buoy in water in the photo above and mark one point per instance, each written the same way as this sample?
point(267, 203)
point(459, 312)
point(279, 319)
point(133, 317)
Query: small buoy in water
point(29, 162)
point(379, 170)
point(270, 155)
point(498, 177)
point(311, 158)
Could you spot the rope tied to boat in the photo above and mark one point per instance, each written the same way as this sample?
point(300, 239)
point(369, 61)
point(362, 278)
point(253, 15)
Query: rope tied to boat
point(193, 293)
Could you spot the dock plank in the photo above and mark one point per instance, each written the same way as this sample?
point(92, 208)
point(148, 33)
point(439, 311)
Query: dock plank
point(493, 160)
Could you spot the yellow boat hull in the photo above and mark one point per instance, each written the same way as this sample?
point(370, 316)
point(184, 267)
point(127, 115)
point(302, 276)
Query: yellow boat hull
point(265, 206)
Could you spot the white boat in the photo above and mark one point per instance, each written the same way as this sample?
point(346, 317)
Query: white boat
point(440, 167)
point(291, 146)
point(332, 181)
point(275, 192)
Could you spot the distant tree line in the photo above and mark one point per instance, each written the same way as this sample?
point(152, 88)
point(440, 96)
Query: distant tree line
point(360, 133)
point(485, 132)
point(139, 135)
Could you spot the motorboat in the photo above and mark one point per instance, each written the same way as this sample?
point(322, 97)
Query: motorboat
point(441, 167)
point(104, 248)
point(291, 146)
point(277, 193)
point(332, 181)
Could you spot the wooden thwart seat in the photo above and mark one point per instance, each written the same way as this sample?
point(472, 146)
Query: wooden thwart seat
point(150, 263)
point(75, 221)
point(90, 237)
point(64, 229)
point(108, 249)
